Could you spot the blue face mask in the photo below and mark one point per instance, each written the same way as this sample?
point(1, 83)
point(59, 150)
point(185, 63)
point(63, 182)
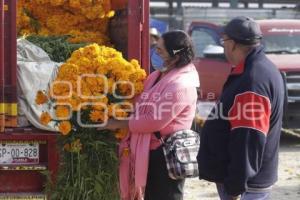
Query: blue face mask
point(157, 62)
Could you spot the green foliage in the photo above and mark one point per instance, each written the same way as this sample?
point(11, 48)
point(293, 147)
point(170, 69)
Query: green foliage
point(89, 174)
point(57, 47)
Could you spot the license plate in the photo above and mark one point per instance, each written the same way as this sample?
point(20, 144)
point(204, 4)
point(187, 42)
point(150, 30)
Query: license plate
point(19, 153)
point(23, 197)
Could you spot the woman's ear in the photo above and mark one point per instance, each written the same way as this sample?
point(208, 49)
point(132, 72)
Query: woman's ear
point(173, 61)
point(176, 58)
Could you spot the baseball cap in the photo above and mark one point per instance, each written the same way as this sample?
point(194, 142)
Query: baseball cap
point(154, 32)
point(243, 30)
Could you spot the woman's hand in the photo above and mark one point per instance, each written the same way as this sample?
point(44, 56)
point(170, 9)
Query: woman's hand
point(113, 124)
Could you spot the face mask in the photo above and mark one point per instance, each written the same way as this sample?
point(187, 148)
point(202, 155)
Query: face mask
point(157, 62)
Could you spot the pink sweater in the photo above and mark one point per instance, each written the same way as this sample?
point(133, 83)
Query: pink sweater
point(168, 106)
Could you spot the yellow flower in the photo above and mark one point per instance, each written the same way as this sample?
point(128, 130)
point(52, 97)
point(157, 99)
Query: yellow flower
point(97, 116)
point(121, 133)
point(60, 89)
point(57, 2)
point(135, 63)
point(110, 14)
point(41, 98)
point(65, 127)
point(138, 88)
point(45, 118)
point(76, 146)
point(199, 120)
point(99, 104)
point(67, 71)
point(74, 103)
point(74, 3)
point(67, 147)
point(116, 111)
point(62, 112)
point(62, 17)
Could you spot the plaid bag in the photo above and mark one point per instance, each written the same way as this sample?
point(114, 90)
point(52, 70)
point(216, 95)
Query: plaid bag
point(180, 150)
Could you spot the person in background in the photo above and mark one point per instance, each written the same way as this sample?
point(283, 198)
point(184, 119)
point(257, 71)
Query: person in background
point(167, 105)
point(155, 59)
point(240, 140)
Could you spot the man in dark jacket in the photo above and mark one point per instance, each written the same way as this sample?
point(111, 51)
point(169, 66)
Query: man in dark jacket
point(240, 139)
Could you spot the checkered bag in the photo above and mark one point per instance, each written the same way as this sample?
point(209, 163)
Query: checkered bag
point(180, 150)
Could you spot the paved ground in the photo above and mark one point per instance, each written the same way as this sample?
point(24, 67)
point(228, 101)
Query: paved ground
point(287, 187)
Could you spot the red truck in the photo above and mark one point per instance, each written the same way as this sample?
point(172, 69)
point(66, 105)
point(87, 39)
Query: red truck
point(282, 45)
point(130, 35)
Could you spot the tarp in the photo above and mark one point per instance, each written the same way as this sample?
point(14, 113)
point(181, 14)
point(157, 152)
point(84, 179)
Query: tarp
point(161, 26)
point(35, 71)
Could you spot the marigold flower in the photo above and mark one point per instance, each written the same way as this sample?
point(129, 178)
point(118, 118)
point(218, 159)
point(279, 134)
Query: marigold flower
point(199, 120)
point(45, 118)
point(67, 147)
point(66, 17)
point(116, 111)
point(121, 133)
point(65, 127)
point(62, 112)
point(41, 98)
point(97, 116)
point(76, 146)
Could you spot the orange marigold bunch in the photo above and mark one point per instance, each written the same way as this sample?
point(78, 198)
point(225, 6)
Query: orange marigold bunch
point(84, 20)
point(95, 84)
point(41, 98)
point(45, 118)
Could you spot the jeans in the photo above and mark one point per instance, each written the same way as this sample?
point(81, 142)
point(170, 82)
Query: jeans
point(264, 195)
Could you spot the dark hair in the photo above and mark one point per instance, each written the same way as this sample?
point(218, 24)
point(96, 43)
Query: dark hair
point(179, 43)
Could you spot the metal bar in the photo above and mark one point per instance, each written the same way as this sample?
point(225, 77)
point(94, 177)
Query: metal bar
point(53, 157)
point(260, 3)
point(138, 32)
point(234, 3)
point(145, 36)
point(215, 3)
point(226, 1)
point(1, 51)
point(13, 47)
point(134, 30)
point(2, 115)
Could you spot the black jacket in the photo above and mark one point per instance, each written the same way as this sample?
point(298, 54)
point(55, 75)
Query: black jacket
point(240, 140)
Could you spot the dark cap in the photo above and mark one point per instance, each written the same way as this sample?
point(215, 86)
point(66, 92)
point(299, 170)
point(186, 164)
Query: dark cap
point(243, 30)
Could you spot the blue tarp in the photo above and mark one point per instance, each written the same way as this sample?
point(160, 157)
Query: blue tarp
point(161, 26)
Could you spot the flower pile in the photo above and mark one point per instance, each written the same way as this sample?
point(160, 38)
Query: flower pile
point(95, 80)
point(96, 83)
point(84, 20)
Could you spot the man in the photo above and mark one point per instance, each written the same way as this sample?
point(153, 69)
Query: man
point(155, 59)
point(240, 139)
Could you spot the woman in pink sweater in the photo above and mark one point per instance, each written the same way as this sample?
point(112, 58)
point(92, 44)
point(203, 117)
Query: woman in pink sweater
point(167, 105)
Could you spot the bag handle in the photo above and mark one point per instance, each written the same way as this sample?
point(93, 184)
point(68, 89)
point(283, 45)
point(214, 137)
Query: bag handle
point(158, 136)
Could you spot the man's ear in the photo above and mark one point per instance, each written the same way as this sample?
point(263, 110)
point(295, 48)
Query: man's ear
point(234, 45)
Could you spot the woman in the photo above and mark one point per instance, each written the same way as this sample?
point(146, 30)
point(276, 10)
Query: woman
point(167, 105)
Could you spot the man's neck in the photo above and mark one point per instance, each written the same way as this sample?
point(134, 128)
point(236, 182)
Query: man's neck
point(241, 57)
